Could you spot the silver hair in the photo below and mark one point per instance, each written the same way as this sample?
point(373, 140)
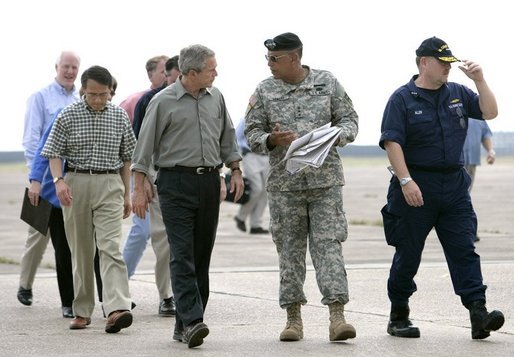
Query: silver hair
point(65, 53)
point(193, 58)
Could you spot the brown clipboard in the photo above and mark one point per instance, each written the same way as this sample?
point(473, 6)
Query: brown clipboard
point(38, 216)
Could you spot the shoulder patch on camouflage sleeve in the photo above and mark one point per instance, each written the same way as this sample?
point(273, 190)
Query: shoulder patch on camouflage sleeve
point(251, 103)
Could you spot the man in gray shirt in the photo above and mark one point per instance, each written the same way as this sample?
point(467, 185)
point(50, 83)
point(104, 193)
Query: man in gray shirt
point(188, 133)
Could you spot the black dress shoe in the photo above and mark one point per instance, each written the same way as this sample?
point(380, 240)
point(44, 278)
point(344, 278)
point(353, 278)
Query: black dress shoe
point(258, 230)
point(67, 312)
point(194, 334)
point(25, 296)
point(167, 307)
point(240, 224)
point(178, 331)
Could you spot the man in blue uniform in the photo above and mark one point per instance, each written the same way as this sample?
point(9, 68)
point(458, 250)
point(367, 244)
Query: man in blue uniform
point(423, 132)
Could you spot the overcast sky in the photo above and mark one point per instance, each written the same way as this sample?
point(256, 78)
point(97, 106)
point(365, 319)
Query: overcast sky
point(368, 44)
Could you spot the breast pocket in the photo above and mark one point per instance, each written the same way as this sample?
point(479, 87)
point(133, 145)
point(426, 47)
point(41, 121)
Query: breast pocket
point(458, 119)
point(421, 126)
point(419, 117)
point(280, 111)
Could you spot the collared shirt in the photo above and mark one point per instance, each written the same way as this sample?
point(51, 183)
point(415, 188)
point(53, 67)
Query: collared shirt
point(91, 140)
point(40, 171)
point(301, 108)
point(478, 131)
point(431, 132)
point(42, 107)
point(241, 138)
point(140, 109)
point(129, 104)
point(179, 129)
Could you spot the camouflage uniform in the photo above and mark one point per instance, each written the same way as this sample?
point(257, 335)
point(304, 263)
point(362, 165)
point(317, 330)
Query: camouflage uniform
point(310, 202)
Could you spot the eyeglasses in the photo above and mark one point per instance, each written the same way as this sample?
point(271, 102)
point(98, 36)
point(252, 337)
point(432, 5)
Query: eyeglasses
point(104, 95)
point(275, 58)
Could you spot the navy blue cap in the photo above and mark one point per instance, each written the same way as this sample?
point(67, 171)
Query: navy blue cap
point(435, 47)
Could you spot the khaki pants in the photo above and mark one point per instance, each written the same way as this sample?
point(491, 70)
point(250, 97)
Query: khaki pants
point(96, 215)
point(161, 249)
point(35, 248)
point(256, 168)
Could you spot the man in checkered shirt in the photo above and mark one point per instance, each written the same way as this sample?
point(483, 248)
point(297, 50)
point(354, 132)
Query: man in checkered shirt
point(96, 139)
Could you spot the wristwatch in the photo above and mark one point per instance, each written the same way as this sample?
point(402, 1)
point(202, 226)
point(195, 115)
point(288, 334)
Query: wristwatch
point(236, 169)
point(57, 179)
point(405, 181)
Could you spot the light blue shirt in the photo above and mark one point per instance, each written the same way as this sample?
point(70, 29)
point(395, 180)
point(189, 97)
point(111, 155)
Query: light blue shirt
point(478, 131)
point(42, 107)
point(241, 138)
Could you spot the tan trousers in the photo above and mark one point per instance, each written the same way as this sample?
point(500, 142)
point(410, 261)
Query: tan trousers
point(96, 213)
point(161, 248)
point(35, 248)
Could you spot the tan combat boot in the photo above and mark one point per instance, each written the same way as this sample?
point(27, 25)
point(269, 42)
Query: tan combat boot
point(339, 330)
point(294, 326)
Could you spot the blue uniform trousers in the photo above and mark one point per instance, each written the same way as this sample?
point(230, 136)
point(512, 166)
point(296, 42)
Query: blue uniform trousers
point(447, 208)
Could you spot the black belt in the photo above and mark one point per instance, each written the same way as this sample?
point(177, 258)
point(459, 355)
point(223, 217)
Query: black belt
point(93, 172)
point(200, 170)
point(442, 170)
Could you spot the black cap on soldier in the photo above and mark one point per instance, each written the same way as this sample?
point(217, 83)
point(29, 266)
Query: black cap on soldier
point(283, 42)
point(435, 47)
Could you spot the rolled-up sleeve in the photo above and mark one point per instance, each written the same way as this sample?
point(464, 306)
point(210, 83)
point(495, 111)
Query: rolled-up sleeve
point(393, 122)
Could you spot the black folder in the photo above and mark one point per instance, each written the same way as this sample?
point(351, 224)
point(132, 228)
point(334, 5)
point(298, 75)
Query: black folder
point(36, 216)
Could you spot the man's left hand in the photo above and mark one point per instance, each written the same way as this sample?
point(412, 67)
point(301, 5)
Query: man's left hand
point(237, 184)
point(472, 70)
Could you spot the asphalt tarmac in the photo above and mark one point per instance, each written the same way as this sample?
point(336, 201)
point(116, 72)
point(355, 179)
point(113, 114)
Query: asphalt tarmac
point(243, 313)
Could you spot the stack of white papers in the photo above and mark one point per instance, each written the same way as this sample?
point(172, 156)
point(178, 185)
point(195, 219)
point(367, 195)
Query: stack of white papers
point(311, 149)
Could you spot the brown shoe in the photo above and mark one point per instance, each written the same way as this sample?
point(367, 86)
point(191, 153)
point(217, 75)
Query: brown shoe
point(118, 320)
point(79, 323)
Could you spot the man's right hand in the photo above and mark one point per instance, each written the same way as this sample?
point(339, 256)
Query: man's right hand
point(34, 192)
point(280, 138)
point(412, 194)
